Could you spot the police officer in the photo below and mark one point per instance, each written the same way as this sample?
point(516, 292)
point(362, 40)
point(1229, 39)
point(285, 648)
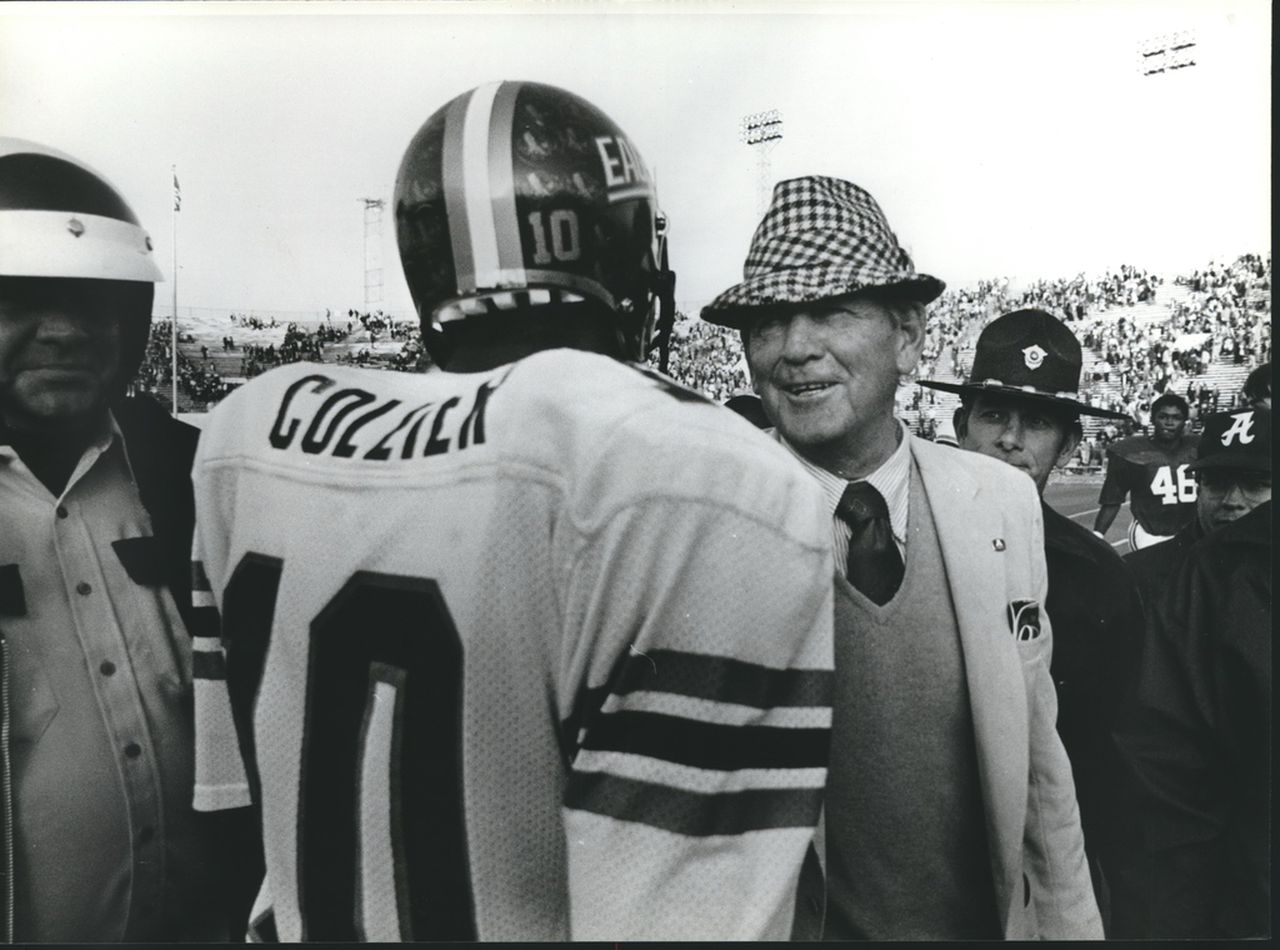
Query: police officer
point(95, 537)
point(1020, 406)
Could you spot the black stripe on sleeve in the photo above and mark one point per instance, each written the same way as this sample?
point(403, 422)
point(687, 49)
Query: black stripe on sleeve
point(199, 579)
point(205, 622)
point(708, 745)
point(724, 680)
point(697, 676)
point(692, 813)
point(206, 665)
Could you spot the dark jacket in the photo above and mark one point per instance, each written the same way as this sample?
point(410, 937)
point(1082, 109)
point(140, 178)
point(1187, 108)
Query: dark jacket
point(1199, 739)
point(1097, 619)
point(161, 451)
point(1153, 566)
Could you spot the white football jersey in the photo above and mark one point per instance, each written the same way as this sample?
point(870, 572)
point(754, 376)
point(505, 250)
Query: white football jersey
point(540, 653)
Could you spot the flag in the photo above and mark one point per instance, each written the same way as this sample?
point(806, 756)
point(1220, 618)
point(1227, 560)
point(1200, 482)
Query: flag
point(177, 194)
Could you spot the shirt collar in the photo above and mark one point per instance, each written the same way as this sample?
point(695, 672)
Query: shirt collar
point(107, 434)
point(892, 480)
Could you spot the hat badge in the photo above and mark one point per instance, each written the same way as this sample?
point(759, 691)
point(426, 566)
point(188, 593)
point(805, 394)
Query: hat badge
point(75, 227)
point(1033, 356)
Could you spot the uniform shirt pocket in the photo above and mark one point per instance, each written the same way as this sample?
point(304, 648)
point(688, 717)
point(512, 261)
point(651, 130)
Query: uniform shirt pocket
point(141, 559)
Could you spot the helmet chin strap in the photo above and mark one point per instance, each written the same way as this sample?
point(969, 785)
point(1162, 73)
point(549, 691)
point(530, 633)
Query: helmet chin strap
point(666, 294)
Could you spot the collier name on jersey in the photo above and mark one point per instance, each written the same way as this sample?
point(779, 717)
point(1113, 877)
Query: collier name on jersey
point(379, 428)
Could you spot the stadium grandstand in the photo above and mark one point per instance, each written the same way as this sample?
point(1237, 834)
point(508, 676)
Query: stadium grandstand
point(1197, 334)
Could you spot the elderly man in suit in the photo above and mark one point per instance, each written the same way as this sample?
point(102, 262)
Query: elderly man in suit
point(950, 809)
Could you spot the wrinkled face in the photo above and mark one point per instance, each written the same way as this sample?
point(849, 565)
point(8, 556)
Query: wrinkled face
point(1228, 494)
point(827, 371)
point(1168, 423)
point(1029, 437)
point(59, 350)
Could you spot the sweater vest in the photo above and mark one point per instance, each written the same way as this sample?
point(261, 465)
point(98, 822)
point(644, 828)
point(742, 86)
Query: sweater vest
point(907, 855)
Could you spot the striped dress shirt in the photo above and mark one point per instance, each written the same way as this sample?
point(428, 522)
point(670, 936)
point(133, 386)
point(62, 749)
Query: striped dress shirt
point(892, 480)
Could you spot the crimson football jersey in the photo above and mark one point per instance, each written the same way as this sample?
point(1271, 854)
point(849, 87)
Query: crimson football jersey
point(535, 654)
point(1161, 491)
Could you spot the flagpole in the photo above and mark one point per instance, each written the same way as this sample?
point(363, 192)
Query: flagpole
point(174, 325)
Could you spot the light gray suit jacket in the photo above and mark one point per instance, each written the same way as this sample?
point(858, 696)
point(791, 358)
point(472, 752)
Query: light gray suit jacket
point(991, 533)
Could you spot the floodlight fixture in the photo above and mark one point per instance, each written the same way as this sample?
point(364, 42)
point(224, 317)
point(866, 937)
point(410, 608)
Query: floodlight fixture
point(1167, 52)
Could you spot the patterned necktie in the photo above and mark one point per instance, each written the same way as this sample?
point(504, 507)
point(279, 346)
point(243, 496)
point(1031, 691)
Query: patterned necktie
point(875, 566)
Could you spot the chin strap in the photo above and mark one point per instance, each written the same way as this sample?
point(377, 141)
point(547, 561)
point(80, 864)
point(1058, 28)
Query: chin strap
point(665, 291)
point(666, 318)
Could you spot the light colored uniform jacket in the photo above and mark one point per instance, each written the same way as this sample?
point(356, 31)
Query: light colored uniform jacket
point(991, 533)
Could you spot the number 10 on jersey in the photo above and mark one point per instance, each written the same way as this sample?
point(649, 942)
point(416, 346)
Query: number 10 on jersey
point(381, 840)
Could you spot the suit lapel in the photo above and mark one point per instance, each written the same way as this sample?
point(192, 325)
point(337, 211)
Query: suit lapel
point(993, 673)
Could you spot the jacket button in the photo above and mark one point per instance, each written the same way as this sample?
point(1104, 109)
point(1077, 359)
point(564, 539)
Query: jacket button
point(83, 588)
point(61, 511)
point(133, 750)
point(107, 668)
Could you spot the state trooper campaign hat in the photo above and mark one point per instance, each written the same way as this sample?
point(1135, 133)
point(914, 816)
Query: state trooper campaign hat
point(1032, 355)
point(1239, 440)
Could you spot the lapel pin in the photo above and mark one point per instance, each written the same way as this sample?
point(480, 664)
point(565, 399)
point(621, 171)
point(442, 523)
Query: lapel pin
point(998, 543)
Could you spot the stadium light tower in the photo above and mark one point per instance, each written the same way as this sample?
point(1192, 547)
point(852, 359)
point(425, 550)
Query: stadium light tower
point(762, 131)
point(1167, 53)
point(372, 253)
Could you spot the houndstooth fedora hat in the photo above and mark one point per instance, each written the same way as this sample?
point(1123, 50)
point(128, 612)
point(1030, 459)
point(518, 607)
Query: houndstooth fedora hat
point(821, 237)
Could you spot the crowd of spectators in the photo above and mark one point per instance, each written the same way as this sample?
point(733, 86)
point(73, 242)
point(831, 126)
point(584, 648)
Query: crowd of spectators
point(203, 385)
point(1222, 316)
point(378, 323)
point(955, 318)
point(1230, 308)
point(1076, 298)
point(708, 358)
point(253, 322)
point(298, 345)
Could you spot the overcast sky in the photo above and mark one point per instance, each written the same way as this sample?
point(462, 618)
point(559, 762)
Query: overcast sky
point(1001, 138)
